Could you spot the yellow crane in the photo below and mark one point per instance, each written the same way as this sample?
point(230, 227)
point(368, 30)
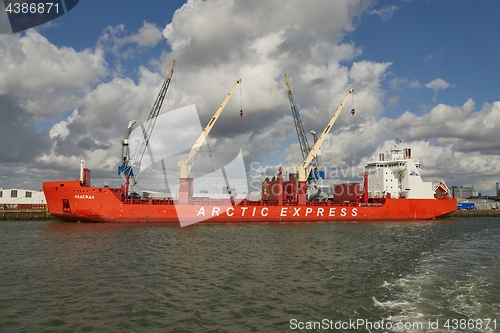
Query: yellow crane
point(305, 168)
point(186, 165)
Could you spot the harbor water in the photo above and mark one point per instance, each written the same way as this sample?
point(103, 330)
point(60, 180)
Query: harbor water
point(438, 276)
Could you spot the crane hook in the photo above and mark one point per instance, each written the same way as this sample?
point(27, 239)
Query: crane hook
point(241, 113)
point(353, 112)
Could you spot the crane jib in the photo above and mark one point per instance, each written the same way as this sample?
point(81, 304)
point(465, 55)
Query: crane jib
point(304, 169)
point(126, 169)
point(184, 167)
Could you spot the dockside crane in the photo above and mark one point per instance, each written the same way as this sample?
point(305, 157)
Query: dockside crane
point(305, 168)
point(304, 144)
point(186, 165)
point(314, 180)
point(126, 169)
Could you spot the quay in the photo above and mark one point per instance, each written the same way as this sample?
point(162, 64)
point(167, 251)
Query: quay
point(476, 213)
point(25, 215)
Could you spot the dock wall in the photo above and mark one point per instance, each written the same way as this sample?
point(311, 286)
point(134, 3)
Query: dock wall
point(476, 213)
point(25, 215)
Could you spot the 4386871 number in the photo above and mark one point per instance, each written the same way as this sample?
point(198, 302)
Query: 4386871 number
point(33, 8)
point(478, 324)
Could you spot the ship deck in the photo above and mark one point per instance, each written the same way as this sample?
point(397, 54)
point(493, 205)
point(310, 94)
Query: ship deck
point(251, 203)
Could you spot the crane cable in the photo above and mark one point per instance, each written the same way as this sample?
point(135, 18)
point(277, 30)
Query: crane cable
point(353, 108)
point(241, 100)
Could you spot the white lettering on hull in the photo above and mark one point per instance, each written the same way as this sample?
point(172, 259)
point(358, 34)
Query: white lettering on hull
point(264, 209)
point(201, 211)
point(282, 212)
point(308, 210)
point(81, 196)
point(332, 212)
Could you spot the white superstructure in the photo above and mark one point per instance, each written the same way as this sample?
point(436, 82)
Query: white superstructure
point(397, 174)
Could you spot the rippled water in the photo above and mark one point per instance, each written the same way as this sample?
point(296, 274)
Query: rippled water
point(63, 277)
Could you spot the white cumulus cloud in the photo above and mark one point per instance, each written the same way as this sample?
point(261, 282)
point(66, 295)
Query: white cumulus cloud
point(438, 84)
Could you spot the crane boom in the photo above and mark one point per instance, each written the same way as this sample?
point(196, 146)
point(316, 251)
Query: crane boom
point(304, 169)
point(126, 170)
point(304, 145)
point(185, 167)
point(147, 129)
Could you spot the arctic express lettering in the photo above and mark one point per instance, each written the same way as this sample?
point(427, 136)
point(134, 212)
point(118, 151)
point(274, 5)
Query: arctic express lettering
point(283, 211)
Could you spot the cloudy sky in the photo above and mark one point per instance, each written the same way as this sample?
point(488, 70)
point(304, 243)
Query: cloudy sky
point(425, 72)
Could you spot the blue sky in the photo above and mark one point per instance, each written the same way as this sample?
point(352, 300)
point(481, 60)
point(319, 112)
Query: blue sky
point(453, 40)
point(423, 71)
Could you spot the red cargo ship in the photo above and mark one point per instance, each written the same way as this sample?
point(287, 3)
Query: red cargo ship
point(392, 189)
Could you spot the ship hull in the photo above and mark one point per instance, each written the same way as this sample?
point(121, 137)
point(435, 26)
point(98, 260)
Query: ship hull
point(72, 202)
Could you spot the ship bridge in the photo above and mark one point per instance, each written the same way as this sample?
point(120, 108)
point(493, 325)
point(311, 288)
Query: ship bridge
point(397, 174)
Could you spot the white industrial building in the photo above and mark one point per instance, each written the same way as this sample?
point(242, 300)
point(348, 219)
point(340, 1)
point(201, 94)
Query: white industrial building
point(13, 198)
point(464, 192)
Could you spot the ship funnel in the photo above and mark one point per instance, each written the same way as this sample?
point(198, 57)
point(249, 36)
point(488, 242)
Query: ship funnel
point(84, 174)
point(82, 167)
point(381, 157)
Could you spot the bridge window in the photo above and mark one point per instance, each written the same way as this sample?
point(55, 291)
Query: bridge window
point(13, 193)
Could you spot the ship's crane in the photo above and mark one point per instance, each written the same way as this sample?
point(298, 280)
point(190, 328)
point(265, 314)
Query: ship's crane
point(305, 168)
point(186, 165)
point(304, 145)
point(313, 190)
point(126, 170)
point(315, 138)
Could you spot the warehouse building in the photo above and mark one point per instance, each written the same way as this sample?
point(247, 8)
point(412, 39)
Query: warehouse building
point(21, 199)
point(463, 191)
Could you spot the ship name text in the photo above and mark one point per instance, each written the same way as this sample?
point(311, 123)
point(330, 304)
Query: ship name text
point(83, 196)
point(283, 211)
